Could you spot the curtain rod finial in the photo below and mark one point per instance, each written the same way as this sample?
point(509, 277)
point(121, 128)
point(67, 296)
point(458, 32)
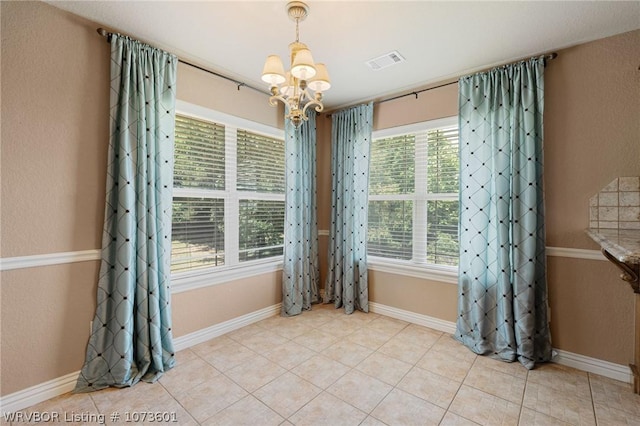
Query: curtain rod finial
point(102, 32)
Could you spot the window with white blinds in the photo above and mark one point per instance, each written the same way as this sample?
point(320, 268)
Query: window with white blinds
point(228, 198)
point(260, 163)
point(260, 185)
point(199, 154)
point(413, 193)
point(261, 229)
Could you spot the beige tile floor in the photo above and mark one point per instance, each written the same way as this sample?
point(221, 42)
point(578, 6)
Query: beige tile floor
point(327, 368)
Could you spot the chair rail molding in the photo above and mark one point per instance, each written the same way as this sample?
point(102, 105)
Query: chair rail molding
point(48, 259)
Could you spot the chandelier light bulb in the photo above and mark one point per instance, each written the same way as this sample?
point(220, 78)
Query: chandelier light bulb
point(287, 88)
point(273, 71)
point(320, 82)
point(303, 67)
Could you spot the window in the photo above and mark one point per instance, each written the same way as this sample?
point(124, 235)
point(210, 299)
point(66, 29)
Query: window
point(413, 193)
point(228, 197)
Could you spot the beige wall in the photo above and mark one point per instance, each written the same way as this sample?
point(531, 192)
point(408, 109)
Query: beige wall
point(592, 135)
point(591, 309)
point(201, 308)
point(201, 88)
point(592, 130)
point(55, 88)
point(54, 139)
point(55, 129)
point(55, 120)
point(440, 102)
point(45, 322)
point(425, 297)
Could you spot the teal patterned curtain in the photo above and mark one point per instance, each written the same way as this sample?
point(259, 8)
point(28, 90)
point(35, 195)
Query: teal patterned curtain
point(350, 147)
point(131, 336)
point(502, 303)
point(300, 269)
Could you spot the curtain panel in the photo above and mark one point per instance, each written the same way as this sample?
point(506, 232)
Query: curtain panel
point(131, 337)
point(502, 303)
point(350, 148)
point(300, 267)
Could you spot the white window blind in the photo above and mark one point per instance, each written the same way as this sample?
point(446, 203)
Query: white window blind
point(228, 204)
point(392, 165)
point(199, 154)
point(197, 233)
point(443, 167)
point(261, 229)
point(260, 163)
point(413, 195)
point(392, 180)
point(198, 220)
point(260, 184)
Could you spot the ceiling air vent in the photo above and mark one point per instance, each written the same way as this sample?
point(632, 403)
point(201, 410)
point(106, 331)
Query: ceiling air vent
point(385, 60)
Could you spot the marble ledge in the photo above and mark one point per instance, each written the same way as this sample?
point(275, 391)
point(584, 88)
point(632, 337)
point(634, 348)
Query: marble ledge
point(623, 244)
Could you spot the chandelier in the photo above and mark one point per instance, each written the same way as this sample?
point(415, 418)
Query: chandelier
point(293, 87)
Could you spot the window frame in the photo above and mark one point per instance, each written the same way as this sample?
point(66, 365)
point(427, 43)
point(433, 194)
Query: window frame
point(420, 197)
point(233, 269)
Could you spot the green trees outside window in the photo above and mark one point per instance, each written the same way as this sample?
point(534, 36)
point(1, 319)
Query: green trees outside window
point(413, 196)
point(228, 204)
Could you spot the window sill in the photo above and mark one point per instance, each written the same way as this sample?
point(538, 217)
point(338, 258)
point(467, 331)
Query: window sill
point(446, 274)
point(187, 281)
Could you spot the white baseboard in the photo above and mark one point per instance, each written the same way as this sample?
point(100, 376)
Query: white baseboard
point(594, 365)
point(56, 387)
point(580, 362)
point(200, 336)
point(414, 318)
point(38, 393)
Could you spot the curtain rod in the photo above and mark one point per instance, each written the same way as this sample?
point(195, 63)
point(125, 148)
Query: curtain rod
point(415, 93)
point(106, 34)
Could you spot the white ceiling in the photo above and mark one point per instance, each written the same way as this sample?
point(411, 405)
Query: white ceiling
point(439, 40)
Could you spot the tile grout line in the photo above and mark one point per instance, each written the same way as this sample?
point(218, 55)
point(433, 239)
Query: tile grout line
point(350, 369)
point(524, 392)
point(392, 387)
point(176, 399)
point(322, 390)
point(223, 373)
point(368, 414)
point(460, 387)
point(593, 404)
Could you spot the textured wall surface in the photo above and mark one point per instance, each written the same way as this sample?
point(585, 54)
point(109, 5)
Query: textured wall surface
point(55, 81)
point(55, 134)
